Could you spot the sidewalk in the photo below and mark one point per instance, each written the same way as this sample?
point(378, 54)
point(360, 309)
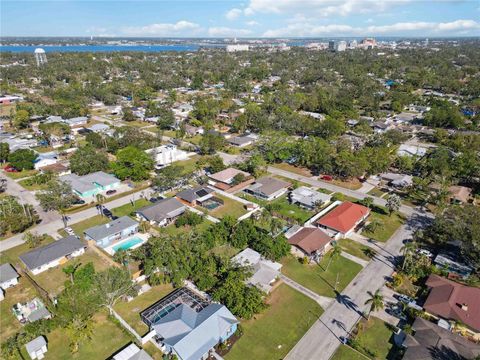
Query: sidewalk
point(323, 301)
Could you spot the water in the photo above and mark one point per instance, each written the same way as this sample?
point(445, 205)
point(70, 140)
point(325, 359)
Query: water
point(104, 48)
point(128, 244)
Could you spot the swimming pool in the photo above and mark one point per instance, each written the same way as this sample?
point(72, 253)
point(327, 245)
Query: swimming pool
point(127, 244)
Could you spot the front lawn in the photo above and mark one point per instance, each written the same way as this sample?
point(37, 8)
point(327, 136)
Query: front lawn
point(293, 169)
point(130, 311)
point(108, 338)
point(345, 352)
point(352, 184)
point(356, 249)
point(230, 207)
point(376, 336)
point(21, 174)
point(314, 276)
point(389, 224)
point(273, 333)
point(127, 209)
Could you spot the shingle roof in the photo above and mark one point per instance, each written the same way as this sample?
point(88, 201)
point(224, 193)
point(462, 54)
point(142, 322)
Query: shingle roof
point(269, 185)
point(447, 297)
point(53, 251)
point(192, 334)
point(161, 210)
point(227, 175)
point(310, 240)
point(191, 195)
point(100, 232)
point(87, 182)
point(7, 272)
point(344, 217)
point(36, 344)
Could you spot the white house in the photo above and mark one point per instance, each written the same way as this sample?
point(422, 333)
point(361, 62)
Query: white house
point(45, 159)
point(8, 276)
point(166, 154)
point(37, 348)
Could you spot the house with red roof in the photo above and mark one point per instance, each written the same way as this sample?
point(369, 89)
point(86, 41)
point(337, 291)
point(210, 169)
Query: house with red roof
point(455, 302)
point(310, 242)
point(343, 219)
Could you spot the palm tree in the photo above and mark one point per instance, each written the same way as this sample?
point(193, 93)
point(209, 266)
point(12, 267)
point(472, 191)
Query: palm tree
point(408, 250)
point(375, 301)
point(335, 254)
point(100, 200)
point(373, 225)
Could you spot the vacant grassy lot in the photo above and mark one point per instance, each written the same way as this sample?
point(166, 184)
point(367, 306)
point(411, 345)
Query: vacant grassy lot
point(347, 353)
point(22, 292)
point(230, 207)
point(352, 184)
point(190, 165)
point(271, 334)
point(389, 224)
point(130, 311)
point(107, 339)
point(21, 174)
point(356, 249)
point(293, 169)
point(172, 230)
point(376, 336)
point(319, 280)
point(377, 192)
point(127, 209)
point(53, 280)
point(33, 187)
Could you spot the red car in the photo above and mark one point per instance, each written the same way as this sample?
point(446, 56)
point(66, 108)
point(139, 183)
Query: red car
point(10, 169)
point(327, 178)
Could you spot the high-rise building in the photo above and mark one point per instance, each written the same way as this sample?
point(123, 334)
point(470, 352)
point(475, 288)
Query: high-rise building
point(369, 43)
point(352, 44)
point(341, 46)
point(331, 45)
point(40, 56)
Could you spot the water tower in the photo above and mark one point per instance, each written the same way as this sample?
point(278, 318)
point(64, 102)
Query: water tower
point(40, 56)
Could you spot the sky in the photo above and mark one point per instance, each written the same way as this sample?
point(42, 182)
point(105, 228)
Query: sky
point(247, 18)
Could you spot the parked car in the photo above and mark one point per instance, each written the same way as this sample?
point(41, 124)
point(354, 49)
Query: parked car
point(10, 169)
point(425, 252)
point(111, 192)
point(405, 299)
point(69, 231)
point(78, 201)
point(397, 312)
point(327, 178)
point(107, 212)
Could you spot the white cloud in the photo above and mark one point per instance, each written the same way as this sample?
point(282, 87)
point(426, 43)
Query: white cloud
point(457, 27)
point(233, 14)
point(227, 32)
point(180, 28)
point(252, 23)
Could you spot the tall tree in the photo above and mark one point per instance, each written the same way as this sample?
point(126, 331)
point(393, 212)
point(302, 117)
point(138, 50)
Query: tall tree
point(132, 163)
point(112, 284)
point(87, 159)
point(22, 159)
point(375, 301)
point(393, 203)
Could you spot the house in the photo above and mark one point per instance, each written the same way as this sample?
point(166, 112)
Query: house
point(343, 219)
point(454, 268)
point(431, 342)
point(53, 254)
point(37, 348)
point(99, 128)
point(397, 180)
point(314, 115)
point(87, 186)
point(240, 141)
point(186, 325)
point(268, 188)
point(116, 230)
point(8, 276)
point(460, 194)
point(166, 154)
point(455, 302)
point(193, 130)
point(132, 352)
point(31, 311)
point(45, 159)
point(230, 179)
point(162, 212)
point(310, 242)
point(265, 272)
point(308, 198)
point(76, 121)
point(57, 168)
point(411, 150)
point(196, 196)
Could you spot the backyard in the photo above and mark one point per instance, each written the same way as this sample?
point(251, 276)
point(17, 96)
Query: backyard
point(130, 311)
point(319, 280)
point(230, 207)
point(273, 333)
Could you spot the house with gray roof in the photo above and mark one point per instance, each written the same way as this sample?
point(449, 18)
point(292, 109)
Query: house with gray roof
point(76, 121)
point(308, 198)
point(8, 276)
point(37, 348)
point(132, 352)
point(87, 186)
point(196, 196)
point(190, 335)
point(99, 128)
point(264, 272)
point(240, 141)
point(268, 188)
point(162, 212)
point(116, 230)
point(53, 254)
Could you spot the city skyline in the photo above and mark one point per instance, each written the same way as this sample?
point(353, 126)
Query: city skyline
point(243, 19)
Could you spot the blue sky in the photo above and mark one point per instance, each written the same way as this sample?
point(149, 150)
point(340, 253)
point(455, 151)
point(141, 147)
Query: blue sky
point(248, 18)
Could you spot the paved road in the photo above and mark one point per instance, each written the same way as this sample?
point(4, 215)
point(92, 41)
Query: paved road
point(322, 339)
point(407, 210)
point(51, 227)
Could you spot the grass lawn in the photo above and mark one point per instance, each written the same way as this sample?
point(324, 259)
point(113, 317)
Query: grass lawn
point(189, 166)
point(229, 207)
point(130, 311)
point(225, 250)
point(271, 334)
point(127, 209)
point(376, 192)
point(53, 280)
point(354, 248)
point(353, 184)
point(295, 183)
point(347, 353)
point(33, 187)
point(22, 292)
point(375, 335)
point(172, 230)
point(137, 123)
point(293, 169)
point(389, 224)
point(317, 279)
point(107, 339)
point(21, 174)
point(153, 351)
